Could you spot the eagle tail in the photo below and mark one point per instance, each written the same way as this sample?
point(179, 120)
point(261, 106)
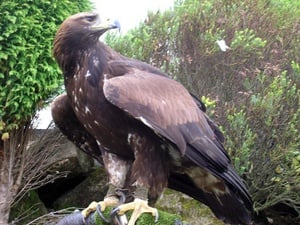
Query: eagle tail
point(229, 207)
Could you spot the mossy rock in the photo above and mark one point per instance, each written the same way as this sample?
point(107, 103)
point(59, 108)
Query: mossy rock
point(27, 209)
point(191, 211)
point(174, 209)
point(145, 219)
point(93, 188)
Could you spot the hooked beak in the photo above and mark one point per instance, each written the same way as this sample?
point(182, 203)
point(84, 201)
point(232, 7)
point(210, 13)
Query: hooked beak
point(105, 26)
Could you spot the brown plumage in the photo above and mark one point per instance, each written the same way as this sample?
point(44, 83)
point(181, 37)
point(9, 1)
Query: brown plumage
point(148, 130)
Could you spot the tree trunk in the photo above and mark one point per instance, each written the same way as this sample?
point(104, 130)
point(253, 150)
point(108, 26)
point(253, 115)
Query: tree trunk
point(5, 195)
point(4, 210)
point(7, 188)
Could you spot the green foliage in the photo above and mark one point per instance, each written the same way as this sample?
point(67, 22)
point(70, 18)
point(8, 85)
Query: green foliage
point(247, 41)
point(210, 105)
point(240, 140)
point(28, 73)
point(182, 42)
point(147, 42)
point(263, 138)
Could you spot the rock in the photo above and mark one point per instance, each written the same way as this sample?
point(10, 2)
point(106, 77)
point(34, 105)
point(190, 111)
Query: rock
point(93, 188)
point(191, 211)
point(85, 161)
point(76, 164)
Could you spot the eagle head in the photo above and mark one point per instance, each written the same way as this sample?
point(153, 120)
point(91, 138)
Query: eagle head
point(78, 33)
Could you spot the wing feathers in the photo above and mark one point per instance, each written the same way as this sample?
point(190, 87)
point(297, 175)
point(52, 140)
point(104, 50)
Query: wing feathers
point(234, 207)
point(152, 96)
point(167, 107)
point(162, 102)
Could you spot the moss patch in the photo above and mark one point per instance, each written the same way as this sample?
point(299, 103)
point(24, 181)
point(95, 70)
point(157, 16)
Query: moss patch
point(28, 208)
point(145, 219)
point(190, 210)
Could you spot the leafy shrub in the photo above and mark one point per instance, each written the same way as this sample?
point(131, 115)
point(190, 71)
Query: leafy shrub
point(263, 138)
point(28, 73)
point(262, 36)
point(28, 76)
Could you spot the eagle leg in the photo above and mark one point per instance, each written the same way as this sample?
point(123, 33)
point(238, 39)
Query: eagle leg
point(139, 206)
point(116, 182)
point(111, 199)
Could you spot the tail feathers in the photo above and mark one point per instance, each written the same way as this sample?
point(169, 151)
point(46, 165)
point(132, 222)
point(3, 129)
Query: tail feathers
point(237, 187)
point(228, 207)
point(219, 166)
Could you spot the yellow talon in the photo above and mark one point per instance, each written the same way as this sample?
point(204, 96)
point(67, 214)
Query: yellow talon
point(139, 207)
point(109, 201)
point(91, 208)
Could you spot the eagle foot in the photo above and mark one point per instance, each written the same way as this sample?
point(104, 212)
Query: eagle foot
point(113, 219)
point(108, 201)
point(139, 207)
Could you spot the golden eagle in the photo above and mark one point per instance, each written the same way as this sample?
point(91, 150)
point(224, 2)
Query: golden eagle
point(147, 129)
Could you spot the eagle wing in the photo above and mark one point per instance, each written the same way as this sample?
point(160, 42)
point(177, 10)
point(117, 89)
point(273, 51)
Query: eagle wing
point(166, 107)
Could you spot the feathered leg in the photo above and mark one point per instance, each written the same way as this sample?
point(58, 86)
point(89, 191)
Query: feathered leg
point(139, 206)
point(148, 176)
point(117, 170)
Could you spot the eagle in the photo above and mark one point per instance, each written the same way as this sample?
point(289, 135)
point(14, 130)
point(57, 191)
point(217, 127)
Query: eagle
point(145, 128)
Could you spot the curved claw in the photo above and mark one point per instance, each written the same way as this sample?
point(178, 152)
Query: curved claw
point(118, 219)
point(109, 201)
point(114, 212)
point(101, 214)
point(139, 207)
point(112, 200)
point(156, 217)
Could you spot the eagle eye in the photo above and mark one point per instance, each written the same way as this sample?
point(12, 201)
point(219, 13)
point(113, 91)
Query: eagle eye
point(90, 18)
